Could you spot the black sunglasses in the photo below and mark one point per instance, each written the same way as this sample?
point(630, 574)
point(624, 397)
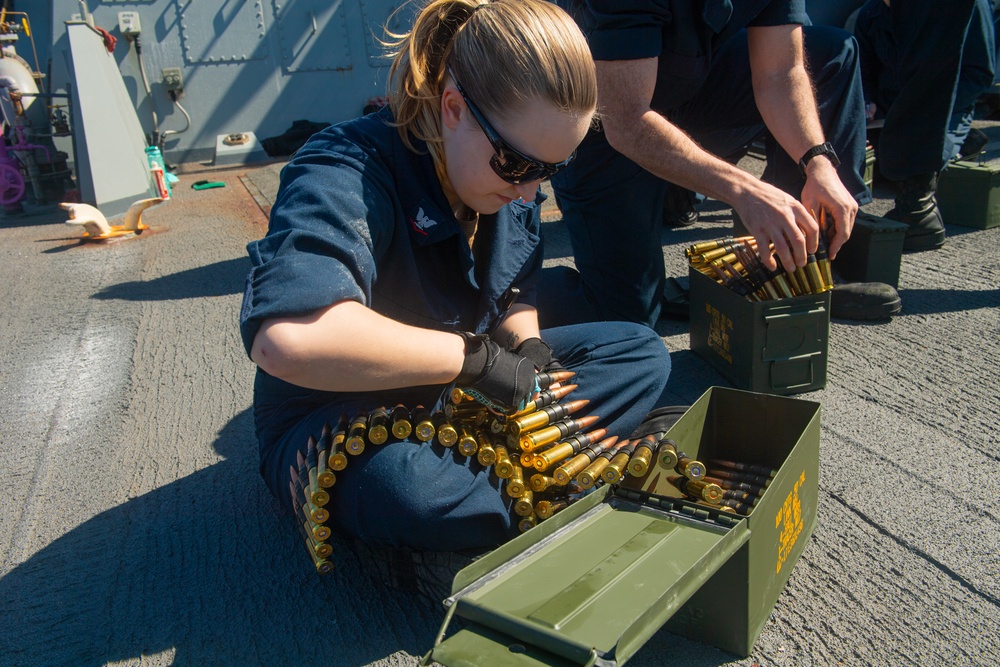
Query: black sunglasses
point(510, 164)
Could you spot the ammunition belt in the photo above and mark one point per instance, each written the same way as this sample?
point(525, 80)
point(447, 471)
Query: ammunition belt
point(736, 264)
point(544, 457)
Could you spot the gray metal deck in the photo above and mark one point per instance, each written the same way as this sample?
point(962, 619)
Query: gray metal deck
point(135, 530)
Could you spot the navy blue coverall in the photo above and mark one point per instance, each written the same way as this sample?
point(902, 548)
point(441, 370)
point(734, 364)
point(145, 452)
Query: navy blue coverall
point(613, 208)
point(360, 216)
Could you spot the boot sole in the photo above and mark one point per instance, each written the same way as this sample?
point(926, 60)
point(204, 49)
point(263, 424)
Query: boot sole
point(924, 241)
point(867, 312)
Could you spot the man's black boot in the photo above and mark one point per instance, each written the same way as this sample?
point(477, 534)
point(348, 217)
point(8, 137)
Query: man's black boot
point(678, 209)
point(917, 207)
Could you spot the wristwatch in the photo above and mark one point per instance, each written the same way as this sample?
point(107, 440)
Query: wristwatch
point(823, 149)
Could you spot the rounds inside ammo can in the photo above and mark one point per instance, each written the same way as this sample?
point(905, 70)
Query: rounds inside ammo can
point(689, 467)
point(527, 523)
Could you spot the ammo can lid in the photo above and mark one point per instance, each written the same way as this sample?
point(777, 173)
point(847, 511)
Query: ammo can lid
point(592, 589)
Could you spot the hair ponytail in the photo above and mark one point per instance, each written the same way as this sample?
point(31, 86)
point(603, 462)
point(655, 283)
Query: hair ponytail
point(504, 52)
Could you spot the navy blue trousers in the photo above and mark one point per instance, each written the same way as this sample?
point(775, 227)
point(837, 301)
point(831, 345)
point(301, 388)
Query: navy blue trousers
point(613, 208)
point(930, 38)
point(426, 496)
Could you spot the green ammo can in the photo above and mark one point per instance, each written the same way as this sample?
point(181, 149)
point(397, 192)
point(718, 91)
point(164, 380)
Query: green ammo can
point(969, 194)
point(874, 252)
point(592, 584)
point(777, 347)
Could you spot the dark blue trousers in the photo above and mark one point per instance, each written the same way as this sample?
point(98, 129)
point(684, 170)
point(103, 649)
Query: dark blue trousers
point(426, 496)
point(613, 208)
point(930, 38)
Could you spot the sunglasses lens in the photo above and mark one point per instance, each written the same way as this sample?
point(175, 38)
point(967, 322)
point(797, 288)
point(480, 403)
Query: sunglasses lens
point(517, 170)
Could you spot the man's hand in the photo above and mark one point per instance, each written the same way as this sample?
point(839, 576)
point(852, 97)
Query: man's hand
point(825, 190)
point(775, 218)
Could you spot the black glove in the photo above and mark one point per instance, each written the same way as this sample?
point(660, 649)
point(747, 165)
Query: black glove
point(540, 354)
point(504, 378)
point(659, 421)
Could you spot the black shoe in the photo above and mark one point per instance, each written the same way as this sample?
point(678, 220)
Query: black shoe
point(676, 298)
point(680, 218)
point(864, 301)
point(916, 207)
point(678, 207)
point(973, 145)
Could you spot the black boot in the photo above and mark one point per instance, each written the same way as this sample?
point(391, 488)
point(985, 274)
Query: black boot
point(917, 207)
point(678, 207)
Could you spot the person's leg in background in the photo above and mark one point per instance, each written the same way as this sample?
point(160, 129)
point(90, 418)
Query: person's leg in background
point(929, 39)
point(613, 210)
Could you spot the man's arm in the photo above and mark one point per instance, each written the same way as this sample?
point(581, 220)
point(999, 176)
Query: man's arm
point(650, 140)
point(784, 95)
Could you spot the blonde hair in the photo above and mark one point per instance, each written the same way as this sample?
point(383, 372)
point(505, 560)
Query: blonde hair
point(503, 52)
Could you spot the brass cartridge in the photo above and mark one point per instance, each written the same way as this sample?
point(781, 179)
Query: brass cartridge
point(666, 454)
point(423, 426)
point(527, 459)
point(378, 426)
point(401, 425)
point(457, 396)
point(556, 431)
point(338, 458)
point(527, 523)
point(689, 467)
point(588, 476)
point(543, 417)
point(565, 473)
point(780, 281)
point(317, 494)
point(740, 508)
point(823, 251)
point(486, 455)
point(545, 459)
point(546, 380)
point(324, 476)
point(540, 482)
point(317, 514)
point(544, 509)
point(504, 467)
point(731, 485)
point(467, 445)
point(641, 456)
point(612, 473)
point(697, 488)
point(323, 566)
point(446, 433)
point(544, 398)
point(525, 504)
point(355, 442)
point(323, 448)
point(815, 276)
point(472, 413)
point(515, 483)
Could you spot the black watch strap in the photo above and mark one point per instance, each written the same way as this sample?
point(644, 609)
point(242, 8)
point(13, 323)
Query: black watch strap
point(824, 148)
